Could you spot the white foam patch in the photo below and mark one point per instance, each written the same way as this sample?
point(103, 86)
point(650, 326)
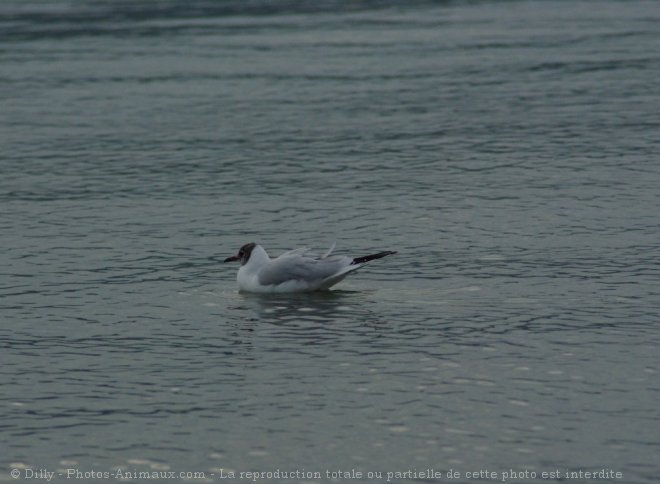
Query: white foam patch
point(519, 403)
point(258, 453)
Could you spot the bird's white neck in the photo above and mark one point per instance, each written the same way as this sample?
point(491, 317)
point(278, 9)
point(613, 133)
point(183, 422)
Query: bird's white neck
point(258, 258)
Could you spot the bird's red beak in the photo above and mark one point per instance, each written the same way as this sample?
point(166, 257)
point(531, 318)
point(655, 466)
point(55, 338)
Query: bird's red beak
point(233, 258)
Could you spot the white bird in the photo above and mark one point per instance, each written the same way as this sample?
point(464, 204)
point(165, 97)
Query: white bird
point(295, 270)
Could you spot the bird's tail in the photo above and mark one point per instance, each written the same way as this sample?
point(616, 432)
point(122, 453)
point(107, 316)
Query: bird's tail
point(367, 258)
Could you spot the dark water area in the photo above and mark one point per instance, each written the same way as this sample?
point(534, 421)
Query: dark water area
point(507, 150)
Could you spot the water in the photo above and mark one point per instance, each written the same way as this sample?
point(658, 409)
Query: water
point(507, 150)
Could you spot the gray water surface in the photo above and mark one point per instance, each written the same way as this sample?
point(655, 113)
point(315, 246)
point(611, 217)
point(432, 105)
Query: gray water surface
point(507, 150)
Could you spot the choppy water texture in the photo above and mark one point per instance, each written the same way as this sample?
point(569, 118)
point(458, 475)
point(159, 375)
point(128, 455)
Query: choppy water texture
point(507, 150)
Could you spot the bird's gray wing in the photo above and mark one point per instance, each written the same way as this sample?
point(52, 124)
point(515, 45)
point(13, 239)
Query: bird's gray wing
point(299, 268)
point(332, 247)
point(301, 251)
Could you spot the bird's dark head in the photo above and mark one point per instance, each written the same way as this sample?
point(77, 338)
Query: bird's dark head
point(243, 254)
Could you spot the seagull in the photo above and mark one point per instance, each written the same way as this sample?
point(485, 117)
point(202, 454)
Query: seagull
point(295, 270)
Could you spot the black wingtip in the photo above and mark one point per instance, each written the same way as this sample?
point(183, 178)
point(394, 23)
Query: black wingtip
point(367, 258)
